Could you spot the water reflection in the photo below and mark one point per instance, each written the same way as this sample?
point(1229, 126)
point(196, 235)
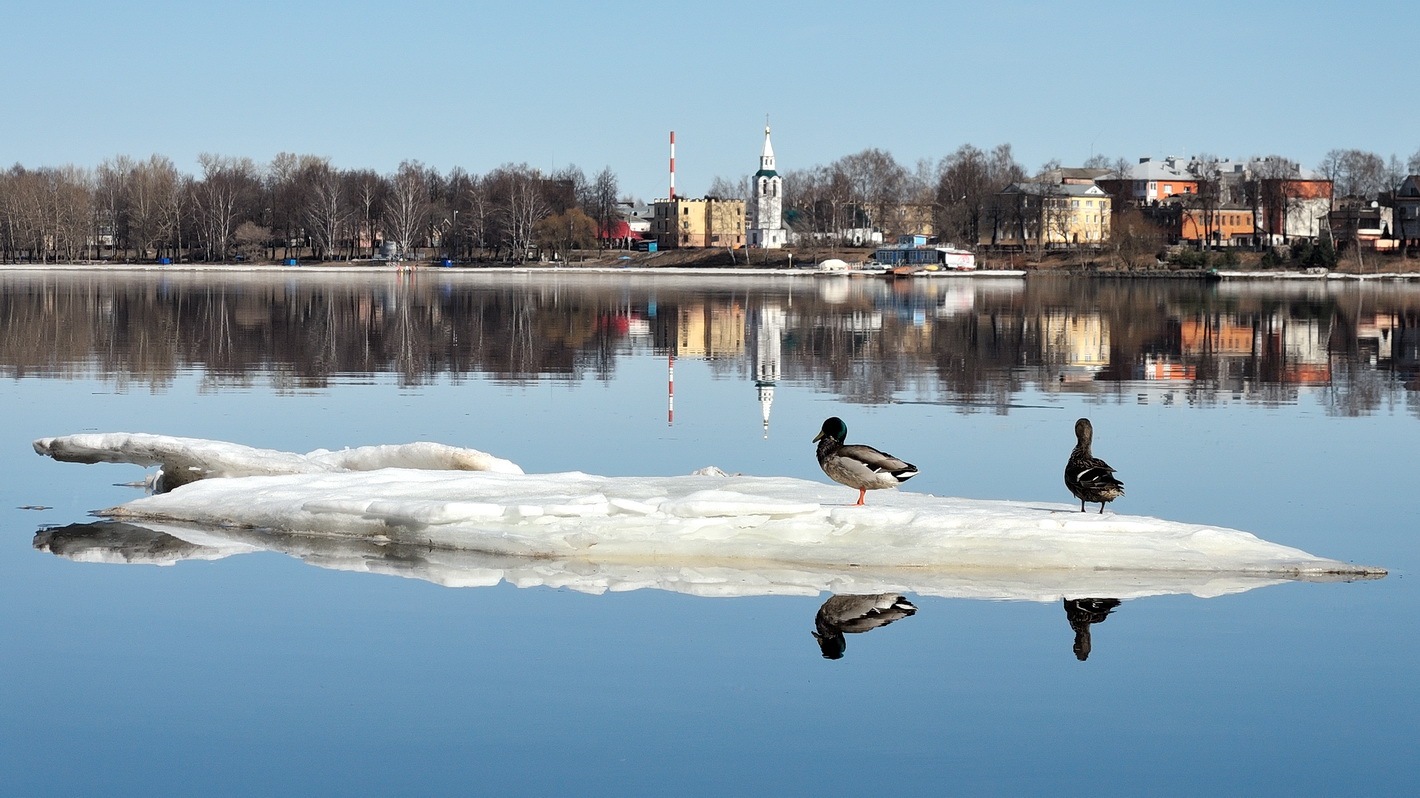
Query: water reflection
point(1083, 613)
point(166, 544)
point(850, 614)
point(973, 342)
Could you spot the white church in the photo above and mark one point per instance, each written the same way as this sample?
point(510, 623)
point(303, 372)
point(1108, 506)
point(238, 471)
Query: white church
point(766, 222)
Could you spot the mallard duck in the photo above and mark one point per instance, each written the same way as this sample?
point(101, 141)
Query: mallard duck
point(1088, 477)
point(858, 466)
point(853, 614)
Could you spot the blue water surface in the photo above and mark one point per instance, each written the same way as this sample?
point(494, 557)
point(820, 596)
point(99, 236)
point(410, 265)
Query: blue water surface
point(258, 674)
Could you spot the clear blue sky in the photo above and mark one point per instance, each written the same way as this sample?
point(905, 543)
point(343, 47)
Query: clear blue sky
point(476, 84)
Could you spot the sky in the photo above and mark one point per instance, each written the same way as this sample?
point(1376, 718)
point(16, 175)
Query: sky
point(478, 84)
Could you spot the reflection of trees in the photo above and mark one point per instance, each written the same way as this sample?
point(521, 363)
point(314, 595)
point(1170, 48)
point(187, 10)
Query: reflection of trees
point(866, 340)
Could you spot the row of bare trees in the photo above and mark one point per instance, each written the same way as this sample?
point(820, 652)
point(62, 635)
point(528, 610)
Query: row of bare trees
point(303, 206)
point(296, 206)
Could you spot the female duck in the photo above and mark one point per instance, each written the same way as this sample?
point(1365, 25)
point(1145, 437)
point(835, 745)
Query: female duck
point(858, 466)
point(1088, 477)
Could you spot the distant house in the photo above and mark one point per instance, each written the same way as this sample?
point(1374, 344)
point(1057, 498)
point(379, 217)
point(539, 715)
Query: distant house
point(1407, 212)
point(918, 250)
point(1184, 220)
point(637, 215)
point(1052, 215)
point(1291, 206)
point(707, 222)
point(1151, 181)
point(1364, 224)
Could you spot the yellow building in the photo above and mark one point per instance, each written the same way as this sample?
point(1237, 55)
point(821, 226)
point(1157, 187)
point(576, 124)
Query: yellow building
point(1063, 215)
point(707, 222)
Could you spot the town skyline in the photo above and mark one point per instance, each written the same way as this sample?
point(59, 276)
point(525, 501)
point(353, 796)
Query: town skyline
point(552, 84)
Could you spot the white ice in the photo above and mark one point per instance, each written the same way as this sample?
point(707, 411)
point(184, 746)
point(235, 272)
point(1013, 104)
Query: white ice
point(705, 533)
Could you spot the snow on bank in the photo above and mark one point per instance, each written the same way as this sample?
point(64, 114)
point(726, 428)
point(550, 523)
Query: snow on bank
point(762, 533)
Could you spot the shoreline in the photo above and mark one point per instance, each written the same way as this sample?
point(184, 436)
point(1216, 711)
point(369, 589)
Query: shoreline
point(337, 267)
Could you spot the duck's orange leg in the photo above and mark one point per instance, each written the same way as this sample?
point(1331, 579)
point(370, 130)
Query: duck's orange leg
point(861, 493)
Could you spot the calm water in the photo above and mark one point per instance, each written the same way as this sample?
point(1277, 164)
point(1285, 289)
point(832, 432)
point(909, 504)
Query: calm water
point(1287, 411)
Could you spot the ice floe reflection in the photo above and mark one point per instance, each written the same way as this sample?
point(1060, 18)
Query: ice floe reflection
point(862, 598)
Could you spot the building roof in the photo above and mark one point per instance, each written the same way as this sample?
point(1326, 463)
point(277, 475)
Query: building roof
point(1056, 189)
point(1170, 168)
point(1072, 173)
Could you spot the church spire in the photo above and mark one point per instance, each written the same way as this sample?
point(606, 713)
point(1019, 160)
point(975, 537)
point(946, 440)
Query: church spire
point(766, 158)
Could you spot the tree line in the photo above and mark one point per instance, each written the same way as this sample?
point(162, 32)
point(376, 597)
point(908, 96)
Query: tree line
point(296, 206)
point(303, 206)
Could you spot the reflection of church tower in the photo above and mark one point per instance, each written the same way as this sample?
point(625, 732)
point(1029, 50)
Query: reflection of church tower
point(768, 343)
point(766, 227)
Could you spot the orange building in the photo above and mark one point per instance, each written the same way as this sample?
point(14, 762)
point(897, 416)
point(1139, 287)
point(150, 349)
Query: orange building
point(1220, 225)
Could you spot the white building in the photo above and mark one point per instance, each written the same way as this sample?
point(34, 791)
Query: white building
point(766, 225)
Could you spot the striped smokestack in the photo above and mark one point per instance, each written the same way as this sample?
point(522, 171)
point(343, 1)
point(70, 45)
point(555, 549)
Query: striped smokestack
point(672, 164)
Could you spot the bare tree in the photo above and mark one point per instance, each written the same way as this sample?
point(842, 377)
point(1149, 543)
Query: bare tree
point(368, 191)
point(151, 188)
point(227, 186)
point(326, 209)
point(602, 204)
point(407, 208)
point(878, 185)
point(1208, 175)
point(111, 201)
point(1133, 240)
point(477, 211)
point(1356, 173)
point(1271, 189)
point(517, 202)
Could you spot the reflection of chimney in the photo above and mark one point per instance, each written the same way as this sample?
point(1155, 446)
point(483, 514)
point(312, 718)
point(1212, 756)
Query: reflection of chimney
point(670, 389)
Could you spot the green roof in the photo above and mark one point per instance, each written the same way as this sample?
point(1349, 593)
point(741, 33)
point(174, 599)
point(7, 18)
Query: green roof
point(766, 173)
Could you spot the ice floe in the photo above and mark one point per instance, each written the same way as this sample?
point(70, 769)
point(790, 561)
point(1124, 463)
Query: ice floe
point(705, 533)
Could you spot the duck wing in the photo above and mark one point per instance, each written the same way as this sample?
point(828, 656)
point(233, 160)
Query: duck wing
point(870, 459)
point(1092, 473)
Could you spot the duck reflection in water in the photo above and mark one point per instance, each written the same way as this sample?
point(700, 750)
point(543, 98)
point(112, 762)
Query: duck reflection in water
point(849, 613)
point(1083, 612)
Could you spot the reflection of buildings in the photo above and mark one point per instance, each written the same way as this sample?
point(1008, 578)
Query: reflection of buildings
point(1274, 347)
point(711, 331)
point(1079, 343)
point(769, 323)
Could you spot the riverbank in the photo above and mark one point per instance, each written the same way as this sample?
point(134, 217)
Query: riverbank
point(721, 262)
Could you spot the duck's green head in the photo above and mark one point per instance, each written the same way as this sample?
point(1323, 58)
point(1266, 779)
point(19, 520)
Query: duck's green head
point(833, 428)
